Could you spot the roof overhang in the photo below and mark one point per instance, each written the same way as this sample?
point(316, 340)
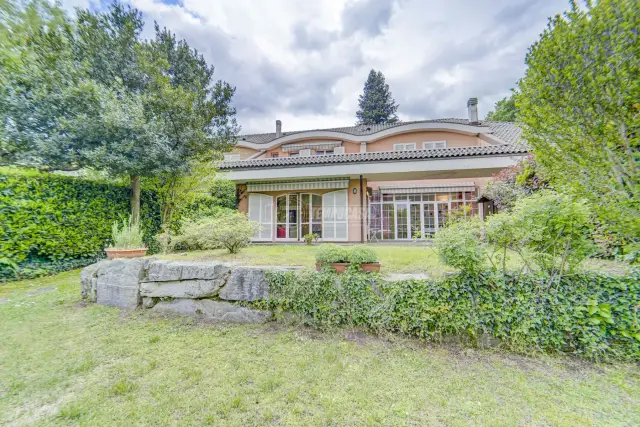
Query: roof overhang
point(458, 167)
point(412, 127)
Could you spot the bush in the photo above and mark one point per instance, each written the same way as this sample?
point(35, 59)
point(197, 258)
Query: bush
point(50, 223)
point(231, 231)
point(460, 245)
point(202, 206)
point(330, 253)
point(586, 315)
point(361, 255)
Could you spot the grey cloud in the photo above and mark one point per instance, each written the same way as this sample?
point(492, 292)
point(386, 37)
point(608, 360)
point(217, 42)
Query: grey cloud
point(309, 39)
point(367, 16)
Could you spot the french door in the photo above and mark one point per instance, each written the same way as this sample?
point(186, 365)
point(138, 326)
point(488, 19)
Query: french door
point(298, 215)
point(261, 211)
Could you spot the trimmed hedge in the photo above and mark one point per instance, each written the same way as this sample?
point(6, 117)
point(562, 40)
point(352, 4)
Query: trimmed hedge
point(590, 316)
point(51, 223)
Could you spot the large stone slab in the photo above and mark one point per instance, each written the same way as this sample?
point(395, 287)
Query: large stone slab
point(197, 288)
point(118, 282)
point(170, 271)
point(89, 281)
point(212, 310)
point(248, 284)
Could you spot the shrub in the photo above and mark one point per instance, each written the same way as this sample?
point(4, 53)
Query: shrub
point(460, 245)
point(330, 253)
point(127, 237)
point(232, 231)
point(51, 223)
point(587, 315)
point(361, 255)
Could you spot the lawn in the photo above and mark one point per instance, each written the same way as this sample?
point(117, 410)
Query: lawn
point(403, 259)
point(65, 362)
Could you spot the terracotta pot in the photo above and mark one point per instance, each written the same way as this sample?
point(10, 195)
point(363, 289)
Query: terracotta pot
point(340, 267)
point(126, 253)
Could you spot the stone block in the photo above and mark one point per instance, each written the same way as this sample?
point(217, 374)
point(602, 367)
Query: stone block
point(89, 281)
point(118, 282)
point(219, 311)
point(246, 284)
point(169, 271)
point(197, 288)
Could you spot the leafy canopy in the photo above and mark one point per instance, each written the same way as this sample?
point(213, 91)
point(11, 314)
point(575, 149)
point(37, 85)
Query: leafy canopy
point(580, 110)
point(505, 110)
point(377, 105)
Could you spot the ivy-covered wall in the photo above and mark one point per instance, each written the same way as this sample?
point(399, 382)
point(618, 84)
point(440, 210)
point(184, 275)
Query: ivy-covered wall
point(51, 223)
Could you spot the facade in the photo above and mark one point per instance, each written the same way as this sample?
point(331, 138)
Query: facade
point(369, 183)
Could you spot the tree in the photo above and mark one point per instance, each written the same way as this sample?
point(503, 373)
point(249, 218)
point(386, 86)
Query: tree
point(377, 105)
point(580, 111)
point(95, 95)
point(505, 110)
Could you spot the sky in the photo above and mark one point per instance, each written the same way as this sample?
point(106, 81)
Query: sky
point(305, 62)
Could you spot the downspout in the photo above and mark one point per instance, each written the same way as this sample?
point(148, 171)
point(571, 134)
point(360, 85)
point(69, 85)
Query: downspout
point(361, 213)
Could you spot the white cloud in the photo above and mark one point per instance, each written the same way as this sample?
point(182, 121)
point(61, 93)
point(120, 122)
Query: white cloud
point(305, 62)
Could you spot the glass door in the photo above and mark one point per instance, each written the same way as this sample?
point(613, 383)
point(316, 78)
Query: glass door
point(429, 219)
point(287, 217)
point(443, 213)
point(402, 221)
point(311, 215)
point(415, 218)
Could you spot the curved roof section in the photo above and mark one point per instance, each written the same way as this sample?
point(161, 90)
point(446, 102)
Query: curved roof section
point(506, 132)
point(376, 156)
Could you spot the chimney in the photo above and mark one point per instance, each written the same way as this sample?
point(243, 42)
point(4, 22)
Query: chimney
point(278, 128)
point(472, 107)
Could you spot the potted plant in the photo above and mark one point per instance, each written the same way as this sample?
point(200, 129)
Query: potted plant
point(127, 241)
point(333, 255)
point(339, 257)
point(365, 257)
point(310, 238)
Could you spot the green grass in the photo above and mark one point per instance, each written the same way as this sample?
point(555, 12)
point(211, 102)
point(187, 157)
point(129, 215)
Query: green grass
point(63, 362)
point(394, 258)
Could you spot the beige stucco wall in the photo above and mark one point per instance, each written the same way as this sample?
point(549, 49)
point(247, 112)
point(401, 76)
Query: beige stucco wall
point(385, 144)
point(244, 152)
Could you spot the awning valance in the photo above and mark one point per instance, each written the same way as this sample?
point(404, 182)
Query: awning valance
point(320, 184)
point(317, 145)
point(427, 188)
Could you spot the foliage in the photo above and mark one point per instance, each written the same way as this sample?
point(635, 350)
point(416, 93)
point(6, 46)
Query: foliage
point(361, 255)
point(505, 110)
point(460, 245)
point(127, 237)
point(223, 192)
point(310, 238)
point(515, 181)
point(232, 231)
point(587, 315)
point(47, 222)
point(579, 108)
point(92, 93)
point(331, 253)
point(376, 103)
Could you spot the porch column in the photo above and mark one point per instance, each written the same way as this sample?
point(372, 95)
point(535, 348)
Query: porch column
point(357, 210)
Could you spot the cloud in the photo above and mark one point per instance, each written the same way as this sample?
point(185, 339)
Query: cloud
point(306, 62)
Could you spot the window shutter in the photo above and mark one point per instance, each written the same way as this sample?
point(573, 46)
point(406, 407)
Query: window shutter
point(338, 150)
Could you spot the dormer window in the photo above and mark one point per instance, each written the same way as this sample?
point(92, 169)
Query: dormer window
point(430, 145)
point(294, 154)
point(324, 152)
point(231, 157)
point(408, 146)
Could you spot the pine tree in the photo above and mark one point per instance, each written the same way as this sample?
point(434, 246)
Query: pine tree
point(377, 105)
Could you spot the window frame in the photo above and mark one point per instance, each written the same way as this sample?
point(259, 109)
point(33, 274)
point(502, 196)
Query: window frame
point(434, 143)
point(405, 146)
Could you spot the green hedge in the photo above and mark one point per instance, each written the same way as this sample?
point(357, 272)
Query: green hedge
point(590, 316)
point(50, 223)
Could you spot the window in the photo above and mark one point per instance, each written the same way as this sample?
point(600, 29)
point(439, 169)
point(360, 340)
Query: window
point(324, 152)
point(294, 154)
point(335, 215)
point(231, 157)
point(260, 210)
point(430, 145)
point(408, 146)
point(274, 155)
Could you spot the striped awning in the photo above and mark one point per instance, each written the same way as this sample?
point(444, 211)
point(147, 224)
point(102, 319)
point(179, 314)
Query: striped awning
point(427, 188)
point(320, 184)
point(318, 145)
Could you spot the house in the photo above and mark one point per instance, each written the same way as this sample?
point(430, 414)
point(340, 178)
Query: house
point(368, 183)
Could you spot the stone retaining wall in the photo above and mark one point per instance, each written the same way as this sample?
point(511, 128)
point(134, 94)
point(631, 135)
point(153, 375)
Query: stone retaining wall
point(195, 288)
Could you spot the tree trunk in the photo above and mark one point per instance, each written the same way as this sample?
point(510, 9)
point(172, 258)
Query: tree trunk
point(135, 199)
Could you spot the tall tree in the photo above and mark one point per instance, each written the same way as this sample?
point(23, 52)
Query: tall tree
point(376, 103)
point(579, 105)
point(505, 110)
point(96, 95)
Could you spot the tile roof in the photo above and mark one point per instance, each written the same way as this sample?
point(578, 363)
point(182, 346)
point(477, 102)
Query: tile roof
point(438, 153)
point(506, 131)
